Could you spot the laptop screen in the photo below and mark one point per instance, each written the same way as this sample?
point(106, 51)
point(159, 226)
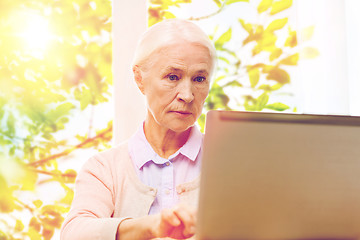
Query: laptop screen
point(280, 176)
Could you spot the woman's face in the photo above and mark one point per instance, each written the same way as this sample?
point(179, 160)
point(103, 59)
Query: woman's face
point(176, 83)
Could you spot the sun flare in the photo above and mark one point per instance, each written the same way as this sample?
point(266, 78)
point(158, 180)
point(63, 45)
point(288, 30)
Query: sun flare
point(35, 33)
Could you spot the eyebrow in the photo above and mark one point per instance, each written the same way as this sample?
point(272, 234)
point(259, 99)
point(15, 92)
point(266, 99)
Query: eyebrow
point(172, 69)
point(175, 69)
point(203, 72)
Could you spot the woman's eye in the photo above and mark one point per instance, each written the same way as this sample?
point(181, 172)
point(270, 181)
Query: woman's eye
point(199, 79)
point(173, 77)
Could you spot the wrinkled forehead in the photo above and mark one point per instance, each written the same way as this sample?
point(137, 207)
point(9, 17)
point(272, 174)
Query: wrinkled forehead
point(192, 55)
point(179, 51)
point(175, 46)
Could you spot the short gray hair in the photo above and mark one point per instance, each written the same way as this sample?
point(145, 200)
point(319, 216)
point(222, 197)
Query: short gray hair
point(170, 31)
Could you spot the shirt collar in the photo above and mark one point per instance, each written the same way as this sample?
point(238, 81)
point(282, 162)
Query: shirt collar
point(141, 151)
point(193, 145)
point(139, 148)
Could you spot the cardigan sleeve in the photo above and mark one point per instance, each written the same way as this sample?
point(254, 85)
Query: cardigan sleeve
point(92, 208)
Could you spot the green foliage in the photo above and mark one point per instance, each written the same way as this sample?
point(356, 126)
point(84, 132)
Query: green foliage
point(160, 9)
point(44, 89)
point(243, 82)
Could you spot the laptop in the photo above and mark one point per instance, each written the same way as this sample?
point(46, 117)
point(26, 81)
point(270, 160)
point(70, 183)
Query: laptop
point(279, 176)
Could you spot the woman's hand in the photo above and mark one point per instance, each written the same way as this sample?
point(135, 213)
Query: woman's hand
point(176, 223)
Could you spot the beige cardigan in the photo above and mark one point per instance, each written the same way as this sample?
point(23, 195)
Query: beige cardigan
point(107, 190)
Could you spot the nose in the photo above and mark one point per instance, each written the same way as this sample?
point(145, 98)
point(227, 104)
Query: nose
point(185, 91)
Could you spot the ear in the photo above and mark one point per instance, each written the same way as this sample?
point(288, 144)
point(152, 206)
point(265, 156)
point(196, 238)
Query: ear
point(138, 78)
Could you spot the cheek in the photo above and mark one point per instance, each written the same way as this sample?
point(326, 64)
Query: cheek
point(161, 98)
point(202, 94)
point(166, 94)
point(200, 100)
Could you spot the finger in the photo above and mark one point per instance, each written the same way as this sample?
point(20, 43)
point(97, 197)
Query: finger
point(191, 238)
point(170, 217)
point(167, 238)
point(187, 217)
point(185, 214)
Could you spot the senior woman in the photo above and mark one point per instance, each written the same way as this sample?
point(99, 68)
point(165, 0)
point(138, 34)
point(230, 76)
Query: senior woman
point(148, 186)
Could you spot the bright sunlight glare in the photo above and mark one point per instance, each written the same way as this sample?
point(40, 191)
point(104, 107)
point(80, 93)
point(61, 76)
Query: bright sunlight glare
point(35, 33)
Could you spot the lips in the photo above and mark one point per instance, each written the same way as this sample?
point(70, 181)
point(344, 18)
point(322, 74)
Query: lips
point(182, 113)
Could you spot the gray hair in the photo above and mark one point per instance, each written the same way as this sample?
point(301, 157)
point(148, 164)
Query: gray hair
point(168, 32)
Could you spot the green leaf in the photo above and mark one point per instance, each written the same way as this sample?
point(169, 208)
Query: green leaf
point(254, 76)
point(233, 83)
point(38, 203)
point(247, 26)
point(275, 54)
point(10, 123)
point(51, 215)
point(217, 98)
point(201, 122)
point(264, 5)
point(7, 201)
point(64, 108)
point(64, 120)
point(224, 99)
point(69, 176)
point(2, 104)
point(59, 111)
point(86, 99)
point(34, 223)
point(265, 42)
point(218, 79)
point(276, 86)
point(279, 75)
point(19, 226)
point(307, 33)
point(265, 87)
point(277, 24)
point(277, 106)
point(235, 1)
point(309, 53)
point(280, 6)
point(249, 106)
point(68, 197)
point(225, 37)
point(269, 88)
point(48, 232)
point(261, 101)
point(34, 234)
point(169, 15)
point(29, 179)
point(217, 2)
point(224, 59)
point(291, 60)
point(291, 41)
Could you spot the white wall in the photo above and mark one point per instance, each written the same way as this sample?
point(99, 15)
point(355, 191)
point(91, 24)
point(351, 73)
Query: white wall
point(324, 82)
point(352, 8)
point(129, 22)
point(330, 83)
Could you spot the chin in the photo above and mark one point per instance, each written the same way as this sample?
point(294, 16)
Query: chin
point(181, 128)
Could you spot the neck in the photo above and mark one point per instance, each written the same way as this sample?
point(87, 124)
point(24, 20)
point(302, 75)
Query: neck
point(164, 141)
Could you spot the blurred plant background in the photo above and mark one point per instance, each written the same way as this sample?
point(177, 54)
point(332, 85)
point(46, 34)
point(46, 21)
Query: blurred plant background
point(56, 90)
point(55, 96)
